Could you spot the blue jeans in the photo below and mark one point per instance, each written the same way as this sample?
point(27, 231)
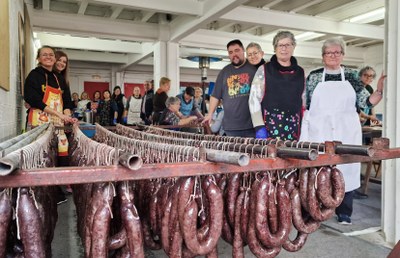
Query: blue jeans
point(346, 207)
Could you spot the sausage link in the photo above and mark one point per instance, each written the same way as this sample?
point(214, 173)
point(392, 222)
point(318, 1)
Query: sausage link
point(232, 192)
point(226, 234)
point(30, 227)
point(96, 201)
point(266, 237)
point(118, 240)
point(101, 223)
point(255, 246)
point(303, 186)
point(189, 223)
point(338, 186)
point(175, 248)
point(131, 222)
point(303, 225)
point(154, 227)
point(5, 219)
point(237, 250)
point(245, 215)
point(165, 232)
point(297, 243)
point(123, 253)
point(290, 182)
point(176, 244)
point(272, 210)
point(101, 228)
point(316, 211)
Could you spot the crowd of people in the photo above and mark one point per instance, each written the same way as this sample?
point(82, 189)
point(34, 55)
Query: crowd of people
point(252, 98)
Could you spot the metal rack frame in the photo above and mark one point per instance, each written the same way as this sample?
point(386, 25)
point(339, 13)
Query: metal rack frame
point(80, 175)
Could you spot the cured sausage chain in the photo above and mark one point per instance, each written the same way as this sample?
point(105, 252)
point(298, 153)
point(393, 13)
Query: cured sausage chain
point(187, 216)
point(28, 214)
point(183, 216)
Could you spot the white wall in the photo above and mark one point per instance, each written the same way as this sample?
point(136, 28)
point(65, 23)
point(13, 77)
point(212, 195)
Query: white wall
point(8, 103)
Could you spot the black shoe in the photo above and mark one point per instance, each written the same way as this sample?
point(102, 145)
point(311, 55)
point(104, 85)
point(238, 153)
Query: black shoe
point(359, 195)
point(343, 219)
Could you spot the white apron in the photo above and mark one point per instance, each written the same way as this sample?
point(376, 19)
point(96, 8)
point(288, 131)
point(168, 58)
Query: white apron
point(333, 117)
point(134, 110)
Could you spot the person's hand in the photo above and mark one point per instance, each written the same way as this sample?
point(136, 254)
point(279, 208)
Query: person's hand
point(262, 133)
point(380, 82)
point(192, 118)
point(68, 119)
point(114, 121)
point(373, 118)
point(206, 119)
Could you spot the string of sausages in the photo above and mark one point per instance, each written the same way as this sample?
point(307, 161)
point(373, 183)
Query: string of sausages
point(29, 215)
point(209, 144)
point(187, 216)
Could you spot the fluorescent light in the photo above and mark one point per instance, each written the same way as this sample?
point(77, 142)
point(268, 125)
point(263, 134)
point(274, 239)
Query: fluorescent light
point(372, 16)
point(308, 36)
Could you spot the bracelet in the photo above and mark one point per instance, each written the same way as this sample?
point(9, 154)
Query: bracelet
point(379, 92)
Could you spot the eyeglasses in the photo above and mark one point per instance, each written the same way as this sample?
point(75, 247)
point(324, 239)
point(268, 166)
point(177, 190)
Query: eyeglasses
point(253, 54)
point(47, 55)
point(334, 53)
point(282, 46)
point(369, 75)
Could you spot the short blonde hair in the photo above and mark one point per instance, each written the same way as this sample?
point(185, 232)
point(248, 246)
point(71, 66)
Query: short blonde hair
point(164, 80)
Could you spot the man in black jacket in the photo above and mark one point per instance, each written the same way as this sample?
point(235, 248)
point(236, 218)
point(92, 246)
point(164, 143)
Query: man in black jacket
point(147, 102)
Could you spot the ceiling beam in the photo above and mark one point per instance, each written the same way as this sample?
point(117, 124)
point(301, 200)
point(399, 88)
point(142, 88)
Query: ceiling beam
point(116, 11)
point(88, 56)
point(73, 42)
point(219, 39)
point(91, 26)
point(182, 27)
point(46, 5)
point(147, 50)
point(146, 16)
point(275, 2)
point(304, 6)
point(162, 6)
point(82, 7)
point(303, 22)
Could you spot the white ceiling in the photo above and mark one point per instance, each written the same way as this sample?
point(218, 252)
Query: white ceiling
point(122, 32)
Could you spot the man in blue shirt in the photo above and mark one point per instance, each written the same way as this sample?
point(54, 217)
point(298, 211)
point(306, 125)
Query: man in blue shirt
point(187, 104)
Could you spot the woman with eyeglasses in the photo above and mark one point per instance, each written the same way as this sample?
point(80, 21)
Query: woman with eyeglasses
point(254, 54)
point(48, 96)
point(170, 116)
point(275, 100)
point(334, 94)
point(367, 74)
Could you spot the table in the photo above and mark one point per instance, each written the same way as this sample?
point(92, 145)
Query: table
point(370, 132)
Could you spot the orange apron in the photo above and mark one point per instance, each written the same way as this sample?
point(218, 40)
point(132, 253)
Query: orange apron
point(53, 99)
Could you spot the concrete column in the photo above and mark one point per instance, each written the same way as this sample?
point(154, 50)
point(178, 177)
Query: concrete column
point(117, 79)
point(166, 63)
point(391, 168)
point(160, 62)
point(173, 67)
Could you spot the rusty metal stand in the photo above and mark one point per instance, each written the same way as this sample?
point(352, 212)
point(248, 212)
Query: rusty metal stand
point(79, 175)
